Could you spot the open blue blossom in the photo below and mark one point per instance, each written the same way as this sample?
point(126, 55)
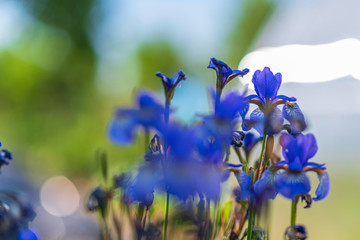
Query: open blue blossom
point(188, 179)
point(224, 73)
point(262, 190)
point(266, 87)
point(207, 147)
point(148, 113)
point(245, 191)
point(267, 116)
point(180, 141)
point(216, 133)
point(265, 186)
point(297, 152)
point(222, 124)
point(170, 84)
point(193, 165)
point(148, 178)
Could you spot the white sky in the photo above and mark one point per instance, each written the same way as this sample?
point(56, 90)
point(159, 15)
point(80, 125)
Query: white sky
point(307, 63)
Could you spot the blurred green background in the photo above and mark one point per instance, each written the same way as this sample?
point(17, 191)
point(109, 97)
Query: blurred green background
point(66, 65)
point(57, 92)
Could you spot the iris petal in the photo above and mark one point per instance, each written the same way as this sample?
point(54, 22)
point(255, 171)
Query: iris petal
point(257, 119)
point(323, 189)
point(298, 149)
point(291, 184)
point(294, 115)
point(275, 122)
point(265, 186)
point(237, 73)
point(121, 131)
point(27, 234)
point(316, 165)
point(266, 84)
point(244, 182)
point(284, 98)
point(308, 146)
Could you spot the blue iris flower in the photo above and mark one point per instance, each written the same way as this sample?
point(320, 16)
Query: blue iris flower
point(149, 177)
point(179, 140)
point(267, 116)
point(216, 133)
point(148, 113)
point(170, 84)
point(224, 73)
point(297, 152)
point(188, 179)
point(222, 124)
point(266, 87)
point(265, 186)
point(191, 164)
point(261, 190)
point(26, 234)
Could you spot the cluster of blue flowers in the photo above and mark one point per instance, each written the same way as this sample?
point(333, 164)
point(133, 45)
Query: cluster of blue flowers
point(15, 212)
point(190, 163)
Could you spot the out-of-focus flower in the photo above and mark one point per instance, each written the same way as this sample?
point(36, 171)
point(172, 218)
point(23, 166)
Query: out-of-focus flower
point(5, 157)
point(262, 190)
point(15, 215)
point(98, 200)
point(297, 232)
point(245, 190)
point(148, 113)
point(170, 84)
point(297, 152)
point(149, 177)
point(27, 234)
point(221, 125)
point(265, 186)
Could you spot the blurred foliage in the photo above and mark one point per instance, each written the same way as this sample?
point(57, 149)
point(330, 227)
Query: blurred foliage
point(51, 111)
point(153, 57)
point(53, 115)
point(253, 15)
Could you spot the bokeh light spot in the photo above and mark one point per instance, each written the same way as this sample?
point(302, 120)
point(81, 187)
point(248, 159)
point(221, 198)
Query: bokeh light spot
point(59, 196)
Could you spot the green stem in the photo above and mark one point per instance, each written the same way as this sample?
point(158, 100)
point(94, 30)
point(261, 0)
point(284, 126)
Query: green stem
point(167, 111)
point(250, 222)
point(263, 147)
point(166, 216)
point(238, 154)
point(146, 138)
point(261, 157)
point(293, 212)
point(105, 234)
